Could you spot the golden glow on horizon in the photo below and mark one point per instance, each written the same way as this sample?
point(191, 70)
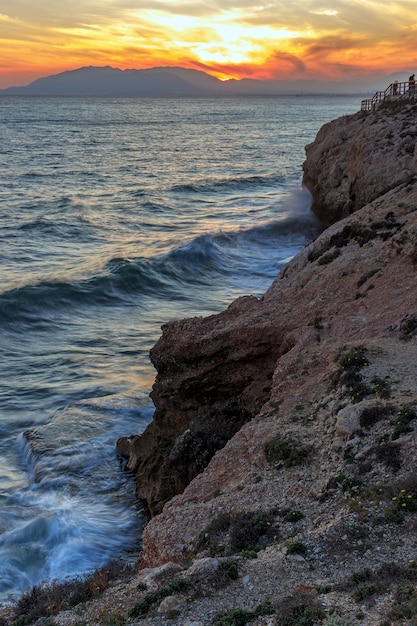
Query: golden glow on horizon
point(277, 40)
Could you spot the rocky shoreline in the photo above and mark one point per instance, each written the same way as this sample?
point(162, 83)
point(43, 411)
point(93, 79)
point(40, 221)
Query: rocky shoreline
point(280, 466)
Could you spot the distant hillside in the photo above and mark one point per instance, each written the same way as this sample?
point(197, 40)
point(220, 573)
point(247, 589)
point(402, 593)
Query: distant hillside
point(178, 81)
point(109, 81)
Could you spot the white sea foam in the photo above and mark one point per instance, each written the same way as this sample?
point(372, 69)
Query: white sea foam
point(115, 217)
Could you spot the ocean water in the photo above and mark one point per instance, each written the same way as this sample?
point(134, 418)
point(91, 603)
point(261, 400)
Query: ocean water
point(116, 216)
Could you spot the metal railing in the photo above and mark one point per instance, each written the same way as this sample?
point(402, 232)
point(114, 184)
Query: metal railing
point(395, 91)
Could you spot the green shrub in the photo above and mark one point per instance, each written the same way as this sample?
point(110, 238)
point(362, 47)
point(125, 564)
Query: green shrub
point(233, 617)
point(349, 484)
point(336, 620)
point(404, 416)
point(246, 529)
point(264, 608)
point(405, 501)
point(393, 515)
point(244, 532)
point(179, 585)
point(297, 548)
point(354, 359)
point(143, 606)
point(404, 605)
point(229, 568)
point(404, 592)
point(140, 608)
point(299, 610)
point(293, 516)
point(357, 578)
point(350, 364)
point(284, 449)
point(364, 591)
point(381, 387)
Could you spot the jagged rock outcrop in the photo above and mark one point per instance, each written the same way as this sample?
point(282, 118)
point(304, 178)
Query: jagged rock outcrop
point(214, 374)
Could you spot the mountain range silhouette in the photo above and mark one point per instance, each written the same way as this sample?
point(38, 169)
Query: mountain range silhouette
point(178, 81)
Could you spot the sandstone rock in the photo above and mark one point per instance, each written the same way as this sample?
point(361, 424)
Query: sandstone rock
point(202, 568)
point(214, 374)
point(352, 285)
point(170, 605)
point(344, 164)
point(152, 577)
point(347, 420)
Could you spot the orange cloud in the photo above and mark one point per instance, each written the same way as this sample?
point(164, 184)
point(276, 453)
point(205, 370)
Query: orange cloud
point(280, 39)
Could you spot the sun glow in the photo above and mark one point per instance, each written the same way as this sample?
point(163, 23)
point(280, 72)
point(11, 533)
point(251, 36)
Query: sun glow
point(223, 39)
point(278, 39)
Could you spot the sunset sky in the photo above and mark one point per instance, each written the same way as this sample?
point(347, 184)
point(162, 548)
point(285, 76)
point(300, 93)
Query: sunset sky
point(270, 39)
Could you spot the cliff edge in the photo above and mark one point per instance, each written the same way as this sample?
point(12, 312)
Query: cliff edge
point(215, 374)
point(284, 437)
point(359, 158)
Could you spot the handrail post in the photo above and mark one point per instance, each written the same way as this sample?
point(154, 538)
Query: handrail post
point(401, 90)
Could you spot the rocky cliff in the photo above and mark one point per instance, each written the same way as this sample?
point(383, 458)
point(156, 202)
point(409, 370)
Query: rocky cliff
point(215, 373)
point(302, 402)
point(359, 158)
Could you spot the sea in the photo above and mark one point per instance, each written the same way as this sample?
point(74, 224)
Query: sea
point(118, 215)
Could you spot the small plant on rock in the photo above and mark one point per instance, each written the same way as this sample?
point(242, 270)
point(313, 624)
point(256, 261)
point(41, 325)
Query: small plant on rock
point(371, 415)
point(283, 449)
point(405, 501)
point(350, 364)
point(229, 569)
point(403, 418)
point(299, 610)
point(293, 516)
point(142, 607)
point(297, 548)
point(349, 484)
point(404, 604)
point(381, 387)
point(354, 359)
point(233, 617)
point(364, 591)
point(241, 532)
point(336, 620)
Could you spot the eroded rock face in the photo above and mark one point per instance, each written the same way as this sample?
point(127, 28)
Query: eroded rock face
point(363, 295)
point(358, 158)
point(216, 374)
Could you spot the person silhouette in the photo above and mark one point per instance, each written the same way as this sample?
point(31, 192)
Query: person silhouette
point(411, 84)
